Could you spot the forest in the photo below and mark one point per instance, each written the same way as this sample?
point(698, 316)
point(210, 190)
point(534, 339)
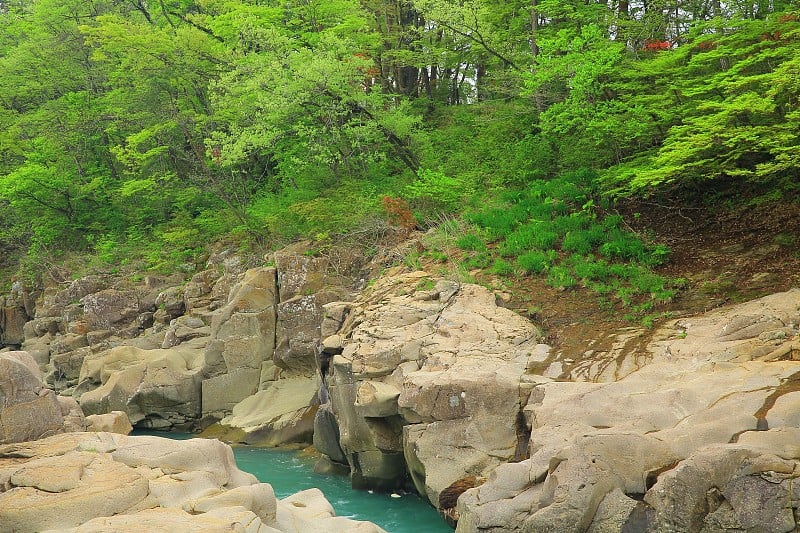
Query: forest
point(140, 131)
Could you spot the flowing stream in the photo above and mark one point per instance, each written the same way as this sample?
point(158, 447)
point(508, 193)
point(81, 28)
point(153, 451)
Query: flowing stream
point(289, 472)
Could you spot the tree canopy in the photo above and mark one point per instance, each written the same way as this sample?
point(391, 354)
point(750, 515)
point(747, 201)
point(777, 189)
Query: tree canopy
point(178, 121)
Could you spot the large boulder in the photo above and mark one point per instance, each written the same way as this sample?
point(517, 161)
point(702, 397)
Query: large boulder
point(12, 322)
point(93, 482)
point(155, 388)
point(56, 298)
point(281, 413)
point(112, 309)
point(430, 383)
point(28, 410)
point(746, 486)
point(684, 431)
point(16, 309)
point(113, 422)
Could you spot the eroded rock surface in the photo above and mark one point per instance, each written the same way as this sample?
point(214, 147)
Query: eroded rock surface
point(426, 378)
point(699, 437)
point(29, 410)
point(92, 482)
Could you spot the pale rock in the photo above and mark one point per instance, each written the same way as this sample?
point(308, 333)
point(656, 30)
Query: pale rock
point(221, 393)
point(694, 391)
point(104, 482)
point(283, 412)
point(113, 422)
point(429, 383)
point(244, 329)
point(74, 420)
point(28, 410)
point(308, 511)
point(155, 386)
point(376, 399)
point(612, 513)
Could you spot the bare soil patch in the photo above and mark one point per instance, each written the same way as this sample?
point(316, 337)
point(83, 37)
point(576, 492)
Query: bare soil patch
point(725, 255)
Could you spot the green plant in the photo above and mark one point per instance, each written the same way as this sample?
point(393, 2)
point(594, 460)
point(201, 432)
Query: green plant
point(425, 284)
point(438, 191)
point(534, 262)
point(437, 255)
point(785, 239)
point(470, 242)
point(412, 261)
point(480, 260)
point(501, 267)
point(560, 277)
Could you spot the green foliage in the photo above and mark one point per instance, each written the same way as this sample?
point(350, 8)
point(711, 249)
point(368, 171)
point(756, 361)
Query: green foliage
point(553, 228)
point(470, 242)
point(128, 128)
point(560, 277)
point(501, 267)
point(718, 107)
point(534, 262)
point(436, 192)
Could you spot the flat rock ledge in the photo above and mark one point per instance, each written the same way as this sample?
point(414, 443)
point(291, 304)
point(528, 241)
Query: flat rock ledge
point(103, 482)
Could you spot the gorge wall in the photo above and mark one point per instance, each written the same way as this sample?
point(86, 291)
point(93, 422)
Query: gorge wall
point(417, 381)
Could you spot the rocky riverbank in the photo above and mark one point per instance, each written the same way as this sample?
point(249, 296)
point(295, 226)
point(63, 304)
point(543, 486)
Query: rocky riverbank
point(100, 482)
point(417, 381)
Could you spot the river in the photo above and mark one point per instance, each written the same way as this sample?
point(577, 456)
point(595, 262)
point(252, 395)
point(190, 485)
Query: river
point(289, 472)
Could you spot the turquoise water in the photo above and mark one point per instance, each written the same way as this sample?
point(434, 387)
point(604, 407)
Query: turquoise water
point(289, 472)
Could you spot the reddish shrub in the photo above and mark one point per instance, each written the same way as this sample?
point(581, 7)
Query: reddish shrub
point(652, 45)
point(398, 212)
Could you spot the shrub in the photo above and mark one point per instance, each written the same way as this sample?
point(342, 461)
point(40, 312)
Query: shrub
point(470, 242)
point(560, 276)
point(578, 242)
point(498, 221)
point(438, 191)
point(572, 222)
point(589, 269)
point(502, 267)
point(534, 262)
point(623, 245)
point(481, 260)
point(398, 212)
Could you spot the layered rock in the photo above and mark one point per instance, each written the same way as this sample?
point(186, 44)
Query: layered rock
point(243, 341)
point(113, 422)
point(29, 410)
point(87, 482)
point(282, 412)
point(175, 353)
point(158, 388)
point(704, 433)
point(306, 286)
point(15, 310)
point(425, 380)
point(268, 395)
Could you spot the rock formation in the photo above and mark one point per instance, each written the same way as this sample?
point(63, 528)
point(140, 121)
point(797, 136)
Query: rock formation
point(425, 379)
point(427, 383)
point(98, 482)
point(174, 354)
point(29, 410)
point(702, 438)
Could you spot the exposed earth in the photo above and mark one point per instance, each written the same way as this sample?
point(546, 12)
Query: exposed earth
point(725, 255)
